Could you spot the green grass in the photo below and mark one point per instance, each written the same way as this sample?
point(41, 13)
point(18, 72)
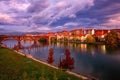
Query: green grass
point(16, 67)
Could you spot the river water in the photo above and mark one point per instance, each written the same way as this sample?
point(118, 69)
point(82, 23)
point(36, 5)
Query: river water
point(91, 60)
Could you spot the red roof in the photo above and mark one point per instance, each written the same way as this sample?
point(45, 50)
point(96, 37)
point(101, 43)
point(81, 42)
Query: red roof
point(64, 31)
point(79, 35)
point(50, 33)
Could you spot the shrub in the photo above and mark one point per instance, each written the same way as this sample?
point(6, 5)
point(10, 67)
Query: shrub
point(90, 39)
point(112, 39)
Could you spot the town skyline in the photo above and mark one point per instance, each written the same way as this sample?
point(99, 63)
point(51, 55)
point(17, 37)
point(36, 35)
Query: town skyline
point(54, 15)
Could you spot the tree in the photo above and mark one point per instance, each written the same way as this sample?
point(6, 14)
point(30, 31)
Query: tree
point(75, 39)
point(50, 57)
point(53, 39)
point(90, 39)
point(112, 39)
point(68, 62)
point(1, 39)
point(42, 40)
point(61, 39)
point(65, 39)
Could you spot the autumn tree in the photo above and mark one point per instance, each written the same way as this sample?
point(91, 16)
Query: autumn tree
point(42, 40)
point(50, 57)
point(68, 62)
point(1, 38)
point(112, 39)
point(65, 39)
point(53, 39)
point(90, 39)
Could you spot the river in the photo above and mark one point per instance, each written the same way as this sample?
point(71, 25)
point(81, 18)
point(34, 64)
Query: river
point(91, 60)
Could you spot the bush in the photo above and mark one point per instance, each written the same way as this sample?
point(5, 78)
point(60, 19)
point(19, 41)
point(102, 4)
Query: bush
point(53, 39)
point(65, 39)
point(90, 39)
point(42, 40)
point(112, 39)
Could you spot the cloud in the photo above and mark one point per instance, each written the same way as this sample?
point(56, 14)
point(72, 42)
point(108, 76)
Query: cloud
point(72, 16)
point(55, 15)
point(14, 5)
point(19, 5)
point(71, 24)
point(62, 8)
point(4, 18)
point(38, 5)
point(2, 30)
point(67, 26)
point(44, 28)
point(41, 28)
point(60, 27)
point(100, 14)
point(13, 12)
point(113, 21)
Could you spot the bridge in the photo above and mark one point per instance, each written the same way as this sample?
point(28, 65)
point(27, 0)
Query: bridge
point(25, 37)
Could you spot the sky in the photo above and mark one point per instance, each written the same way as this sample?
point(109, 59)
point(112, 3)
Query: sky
point(58, 15)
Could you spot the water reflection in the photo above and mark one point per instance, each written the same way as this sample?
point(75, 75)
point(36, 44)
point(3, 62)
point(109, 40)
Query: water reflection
point(91, 49)
point(83, 48)
point(102, 49)
point(50, 59)
point(10, 43)
point(68, 62)
point(27, 43)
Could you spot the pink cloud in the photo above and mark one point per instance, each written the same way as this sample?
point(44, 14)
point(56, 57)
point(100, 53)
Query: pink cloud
point(113, 21)
point(5, 18)
point(63, 8)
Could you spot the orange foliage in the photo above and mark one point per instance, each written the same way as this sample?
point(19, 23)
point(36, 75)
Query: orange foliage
point(68, 62)
point(50, 57)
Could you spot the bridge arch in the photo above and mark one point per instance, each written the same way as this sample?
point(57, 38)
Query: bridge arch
point(5, 39)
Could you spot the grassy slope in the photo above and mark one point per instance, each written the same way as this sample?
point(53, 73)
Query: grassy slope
point(17, 67)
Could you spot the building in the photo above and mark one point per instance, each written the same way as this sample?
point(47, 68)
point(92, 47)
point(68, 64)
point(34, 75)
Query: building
point(81, 34)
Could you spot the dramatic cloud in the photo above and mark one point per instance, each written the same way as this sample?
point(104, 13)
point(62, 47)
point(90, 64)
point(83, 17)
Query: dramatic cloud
point(5, 18)
point(114, 20)
point(62, 8)
point(56, 15)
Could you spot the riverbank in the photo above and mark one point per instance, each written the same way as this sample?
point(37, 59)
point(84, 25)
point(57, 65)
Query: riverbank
point(17, 67)
point(78, 42)
point(69, 72)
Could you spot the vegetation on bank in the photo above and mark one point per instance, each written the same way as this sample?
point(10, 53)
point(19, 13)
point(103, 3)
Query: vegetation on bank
point(16, 67)
point(53, 39)
point(111, 39)
point(90, 39)
point(43, 40)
